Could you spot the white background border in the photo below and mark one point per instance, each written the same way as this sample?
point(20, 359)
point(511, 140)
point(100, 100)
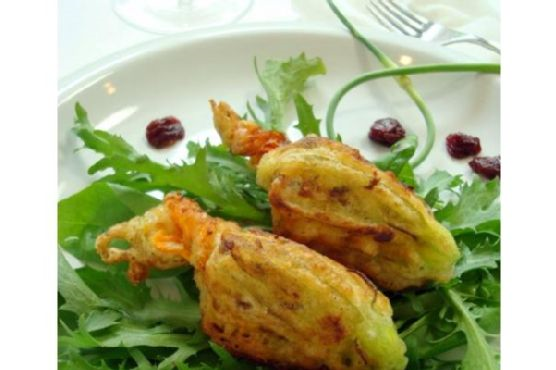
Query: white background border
point(28, 183)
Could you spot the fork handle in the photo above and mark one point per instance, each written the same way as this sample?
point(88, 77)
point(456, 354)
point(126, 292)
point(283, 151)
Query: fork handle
point(473, 40)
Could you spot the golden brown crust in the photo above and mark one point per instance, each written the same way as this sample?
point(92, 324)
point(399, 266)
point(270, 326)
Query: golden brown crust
point(325, 195)
point(302, 308)
point(266, 297)
point(244, 137)
point(155, 242)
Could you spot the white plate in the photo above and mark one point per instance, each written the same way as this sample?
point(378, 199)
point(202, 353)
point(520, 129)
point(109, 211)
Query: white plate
point(177, 76)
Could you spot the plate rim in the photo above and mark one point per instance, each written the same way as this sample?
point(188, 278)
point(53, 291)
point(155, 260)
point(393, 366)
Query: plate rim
point(89, 74)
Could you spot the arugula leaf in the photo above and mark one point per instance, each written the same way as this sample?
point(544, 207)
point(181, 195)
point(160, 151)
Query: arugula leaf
point(486, 255)
point(101, 314)
point(465, 311)
point(219, 191)
point(237, 168)
point(194, 367)
point(113, 312)
point(100, 205)
point(282, 80)
point(400, 154)
point(254, 115)
point(479, 354)
point(101, 319)
point(129, 334)
point(262, 104)
point(107, 328)
point(180, 314)
point(477, 209)
point(489, 319)
point(439, 183)
point(142, 362)
point(407, 176)
point(137, 302)
point(80, 363)
point(79, 298)
point(98, 140)
point(307, 123)
point(397, 161)
point(228, 362)
point(91, 211)
point(431, 324)
point(113, 286)
point(179, 356)
point(221, 155)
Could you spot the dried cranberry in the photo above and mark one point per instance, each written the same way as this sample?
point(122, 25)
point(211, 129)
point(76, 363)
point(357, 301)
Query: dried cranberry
point(460, 145)
point(488, 167)
point(163, 132)
point(386, 131)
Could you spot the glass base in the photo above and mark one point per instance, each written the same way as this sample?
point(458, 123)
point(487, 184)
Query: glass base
point(174, 16)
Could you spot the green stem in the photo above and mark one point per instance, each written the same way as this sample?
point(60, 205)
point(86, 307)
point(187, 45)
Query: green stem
point(403, 81)
point(383, 58)
point(429, 122)
point(488, 68)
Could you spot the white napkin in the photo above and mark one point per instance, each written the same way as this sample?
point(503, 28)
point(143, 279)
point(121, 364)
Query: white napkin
point(478, 17)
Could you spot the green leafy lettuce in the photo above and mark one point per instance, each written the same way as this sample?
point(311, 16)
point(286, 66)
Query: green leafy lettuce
point(102, 311)
point(91, 211)
point(397, 160)
point(478, 208)
point(105, 322)
point(457, 325)
point(307, 123)
point(435, 188)
point(282, 81)
point(221, 189)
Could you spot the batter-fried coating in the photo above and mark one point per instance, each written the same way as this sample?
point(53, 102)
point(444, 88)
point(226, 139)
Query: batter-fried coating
point(154, 228)
point(266, 297)
point(325, 195)
point(244, 137)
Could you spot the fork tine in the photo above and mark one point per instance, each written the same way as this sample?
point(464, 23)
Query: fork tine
point(393, 19)
point(401, 17)
point(385, 18)
point(419, 20)
point(379, 18)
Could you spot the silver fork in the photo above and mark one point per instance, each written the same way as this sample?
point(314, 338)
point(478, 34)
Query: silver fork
point(396, 17)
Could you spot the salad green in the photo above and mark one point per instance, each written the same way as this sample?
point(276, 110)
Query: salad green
point(224, 184)
point(282, 82)
point(105, 322)
point(307, 122)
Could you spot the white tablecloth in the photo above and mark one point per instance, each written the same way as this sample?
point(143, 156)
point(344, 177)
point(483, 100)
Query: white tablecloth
point(89, 30)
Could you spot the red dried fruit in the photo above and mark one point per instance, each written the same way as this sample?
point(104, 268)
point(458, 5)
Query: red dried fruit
point(460, 145)
point(386, 131)
point(488, 167)
point(164, 132)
